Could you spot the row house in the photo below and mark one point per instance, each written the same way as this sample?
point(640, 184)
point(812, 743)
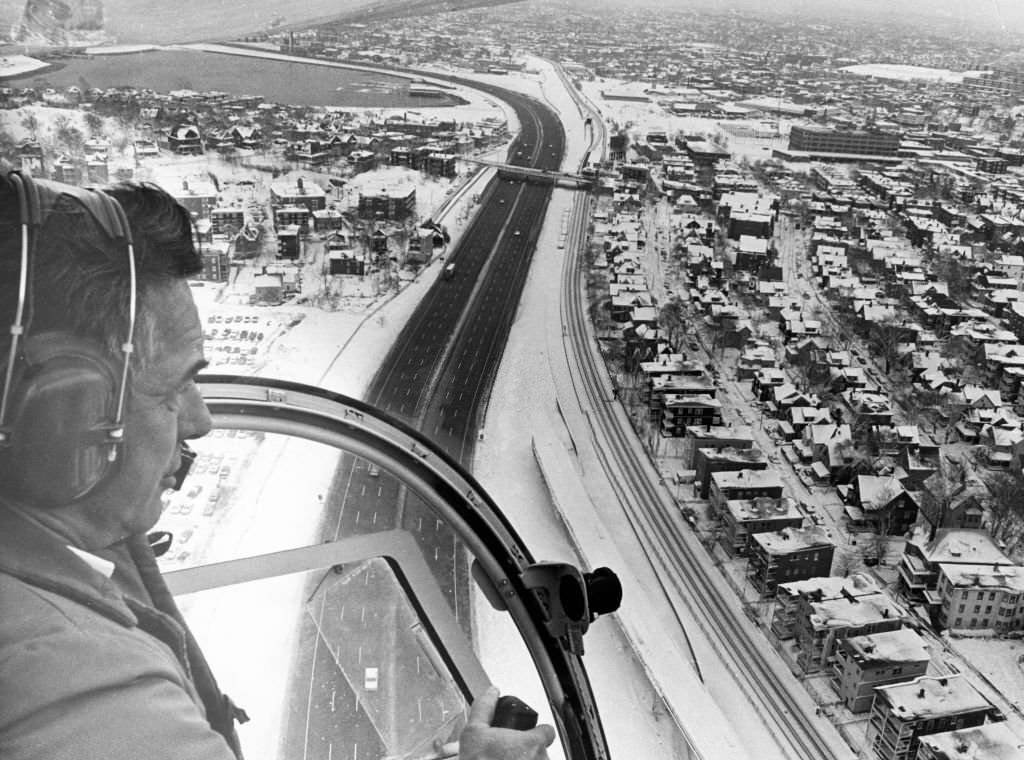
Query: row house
point(918, 571)
point(789, 596)
point(198, 196)
point(820, 626)
point(864, 663)
point(743, 484)
point(902, 713)
point(869, 407)
point(707, 461)
point(227, 220)
point(792, 553)
point(682, 412)
point(292, 216)
point(661, 386)
point(981, 597)
point(743, 518)
point(718, 437)
point(989, 741)
point(393, 203)
point(800, 418)
point(299, 193)
point(754, 358)
point(765, 381)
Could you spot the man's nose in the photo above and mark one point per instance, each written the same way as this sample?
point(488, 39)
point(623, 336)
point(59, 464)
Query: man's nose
point(195, 420)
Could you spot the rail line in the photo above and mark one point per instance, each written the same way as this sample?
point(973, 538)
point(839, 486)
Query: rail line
point(672, 548)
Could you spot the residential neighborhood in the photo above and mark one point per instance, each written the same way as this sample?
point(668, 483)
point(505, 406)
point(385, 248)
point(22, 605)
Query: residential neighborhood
point(803, 269)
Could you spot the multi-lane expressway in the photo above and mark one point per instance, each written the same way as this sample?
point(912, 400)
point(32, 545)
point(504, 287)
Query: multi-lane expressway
point(437, 378)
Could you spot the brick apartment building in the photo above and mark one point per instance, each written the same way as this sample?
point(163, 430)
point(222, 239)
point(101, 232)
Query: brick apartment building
point(902, 713)
point(989, 741)
point(820, 626)
point(789, 597)
point(981, 597)
point(878, 659)
point(790, 554)
point(815, 139)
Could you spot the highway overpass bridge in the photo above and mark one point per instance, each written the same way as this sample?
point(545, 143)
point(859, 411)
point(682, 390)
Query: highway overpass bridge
point(546, 176)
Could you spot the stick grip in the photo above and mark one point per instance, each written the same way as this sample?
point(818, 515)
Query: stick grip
point(512, 712)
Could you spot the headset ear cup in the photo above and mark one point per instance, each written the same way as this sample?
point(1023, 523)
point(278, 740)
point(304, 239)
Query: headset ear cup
point(60, 409)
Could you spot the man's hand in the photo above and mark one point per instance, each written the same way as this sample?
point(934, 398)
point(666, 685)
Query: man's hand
point(480, 741)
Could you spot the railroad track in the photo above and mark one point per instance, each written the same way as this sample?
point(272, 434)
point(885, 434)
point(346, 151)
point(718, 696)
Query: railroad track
point(681, 561)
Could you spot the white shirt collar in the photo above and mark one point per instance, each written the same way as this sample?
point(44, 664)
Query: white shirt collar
point(102, 566)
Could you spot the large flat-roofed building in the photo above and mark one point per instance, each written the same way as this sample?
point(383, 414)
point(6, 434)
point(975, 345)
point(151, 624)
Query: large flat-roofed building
point(788, 596)
point(997, 81)
point(791, 554)
point(710, 460)
point(904, 712)
point(981, 597)
point(743, 518)
point(864, 663)
point(918, 578)
point(393, 203)
point(299, 193)
point(990, 741)
point(815, 139)
point(743, 484)
point(820, 626)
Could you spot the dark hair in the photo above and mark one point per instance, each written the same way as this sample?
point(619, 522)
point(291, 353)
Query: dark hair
point(79, 277)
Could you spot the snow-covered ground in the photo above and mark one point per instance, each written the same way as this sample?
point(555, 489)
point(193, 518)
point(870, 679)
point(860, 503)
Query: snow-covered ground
point(907, 73)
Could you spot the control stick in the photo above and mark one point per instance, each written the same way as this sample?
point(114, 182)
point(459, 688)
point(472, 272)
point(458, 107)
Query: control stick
point(509, 712)
point(512, 712)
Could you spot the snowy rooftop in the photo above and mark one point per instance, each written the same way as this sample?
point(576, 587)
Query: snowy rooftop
point(963, 546)
point(789, 540)
point(722, 432)
point(733, 454)
point(991, 741)
point(877, 491)
point(747, 479)
point(831, 587)
point(762, 508)
point(930, 696)
point(903, 645)
point(984, 576)
point(848, 613)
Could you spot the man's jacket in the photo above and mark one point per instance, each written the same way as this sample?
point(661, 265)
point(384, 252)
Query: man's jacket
point(99, 669)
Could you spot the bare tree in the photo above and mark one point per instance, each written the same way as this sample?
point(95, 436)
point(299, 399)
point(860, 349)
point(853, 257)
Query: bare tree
point(672, 319)
point(1006, 508)
point(884, 339)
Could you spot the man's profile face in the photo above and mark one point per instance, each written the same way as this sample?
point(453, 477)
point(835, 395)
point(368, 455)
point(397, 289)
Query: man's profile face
point(163, 409)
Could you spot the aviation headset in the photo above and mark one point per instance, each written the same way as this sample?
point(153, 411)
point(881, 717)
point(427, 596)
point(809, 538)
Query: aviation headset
point(63, 400)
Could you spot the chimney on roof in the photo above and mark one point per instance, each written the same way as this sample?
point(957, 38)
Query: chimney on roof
point(920, 693)
point(885, 612)
point(298, 184)
point(943, 681)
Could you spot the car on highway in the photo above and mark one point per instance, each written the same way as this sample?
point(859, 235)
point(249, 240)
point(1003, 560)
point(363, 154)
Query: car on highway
point(371, 679)
point(373, 470)
point(516, 233)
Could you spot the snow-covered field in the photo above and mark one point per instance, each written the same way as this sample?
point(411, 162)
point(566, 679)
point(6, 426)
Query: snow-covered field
point(906, 73)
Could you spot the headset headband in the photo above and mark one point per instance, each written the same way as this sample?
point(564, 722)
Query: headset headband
point(111, 218)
